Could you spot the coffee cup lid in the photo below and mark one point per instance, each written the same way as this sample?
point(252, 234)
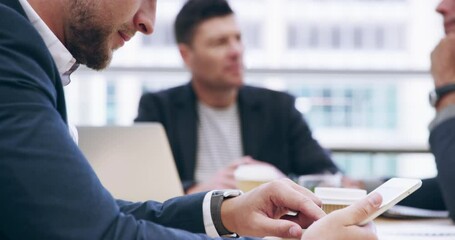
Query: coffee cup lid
point(256, 172)
point(343, 196)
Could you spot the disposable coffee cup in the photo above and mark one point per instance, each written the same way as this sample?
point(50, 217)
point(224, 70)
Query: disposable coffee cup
point(253, 175)
point(338, 198)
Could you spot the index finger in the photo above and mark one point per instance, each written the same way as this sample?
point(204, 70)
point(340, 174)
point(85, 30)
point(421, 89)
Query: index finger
point(305, 192)
point(296, 199)
point(236, 163)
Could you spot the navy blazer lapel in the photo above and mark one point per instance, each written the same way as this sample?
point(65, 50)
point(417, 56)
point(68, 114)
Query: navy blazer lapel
point(14, 4)
point(252, 121)
point(186, 123)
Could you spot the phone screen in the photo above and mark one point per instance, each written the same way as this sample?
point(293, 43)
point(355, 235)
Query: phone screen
point(392, 192)
point(389, 194)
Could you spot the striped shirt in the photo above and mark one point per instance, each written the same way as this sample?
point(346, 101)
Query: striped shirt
point(219, 140)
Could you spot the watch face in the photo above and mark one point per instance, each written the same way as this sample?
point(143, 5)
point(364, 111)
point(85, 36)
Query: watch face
point(232, 193)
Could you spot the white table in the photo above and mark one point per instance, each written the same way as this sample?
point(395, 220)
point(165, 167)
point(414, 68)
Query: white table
point(411, 229)
point(415, 229)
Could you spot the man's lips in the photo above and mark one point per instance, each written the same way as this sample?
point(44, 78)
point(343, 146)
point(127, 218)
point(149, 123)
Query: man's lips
point(236, 68)
point(124, 36)
point(449, 26)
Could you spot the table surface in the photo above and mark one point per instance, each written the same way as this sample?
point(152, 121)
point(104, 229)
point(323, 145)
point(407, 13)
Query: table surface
point(411, 229)
point(415, 229)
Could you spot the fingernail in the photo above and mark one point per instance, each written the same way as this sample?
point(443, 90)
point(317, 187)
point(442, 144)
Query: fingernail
point(375, 199)
point(295, 231)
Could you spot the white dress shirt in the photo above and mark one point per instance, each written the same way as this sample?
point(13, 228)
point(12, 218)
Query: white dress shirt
point(65, 62)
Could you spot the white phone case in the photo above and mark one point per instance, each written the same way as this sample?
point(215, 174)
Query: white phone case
point(393, 191)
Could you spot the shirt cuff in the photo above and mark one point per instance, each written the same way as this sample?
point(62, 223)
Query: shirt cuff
point(442, 116)
point(210, 229)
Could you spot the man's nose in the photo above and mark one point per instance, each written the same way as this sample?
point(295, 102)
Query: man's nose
point(144, 20)
point(236, 48)
point(444, 6)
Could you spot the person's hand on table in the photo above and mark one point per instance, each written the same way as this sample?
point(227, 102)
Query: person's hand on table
point(262, 211)
point(222, 179)
point(342, 224)
point(251, 161)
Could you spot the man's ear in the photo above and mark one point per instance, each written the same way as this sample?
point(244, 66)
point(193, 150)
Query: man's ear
point(186, 53)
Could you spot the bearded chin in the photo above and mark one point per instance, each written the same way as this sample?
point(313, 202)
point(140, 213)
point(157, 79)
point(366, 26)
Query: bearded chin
point(90, 47)
point(87, 35)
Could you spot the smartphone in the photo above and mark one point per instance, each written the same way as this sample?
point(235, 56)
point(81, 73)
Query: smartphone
point(393, 191)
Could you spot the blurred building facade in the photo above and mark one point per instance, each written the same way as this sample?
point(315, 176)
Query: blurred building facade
point(358, 69)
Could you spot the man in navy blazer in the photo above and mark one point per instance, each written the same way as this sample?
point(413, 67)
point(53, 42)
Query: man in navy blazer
point(48, 189)
point(442, 128)
point(438, 193)
point(255, 122)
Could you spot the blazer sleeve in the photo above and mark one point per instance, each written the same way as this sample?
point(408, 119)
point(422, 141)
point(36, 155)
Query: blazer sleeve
point(176, 213)
point(307, 155)
point(442, 142)
point(49, 190)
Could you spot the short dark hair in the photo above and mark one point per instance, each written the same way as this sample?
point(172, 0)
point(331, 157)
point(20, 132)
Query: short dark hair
point(193, 13)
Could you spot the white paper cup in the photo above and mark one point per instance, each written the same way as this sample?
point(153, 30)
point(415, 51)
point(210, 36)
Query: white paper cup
point(253, 175)
point(338, 198)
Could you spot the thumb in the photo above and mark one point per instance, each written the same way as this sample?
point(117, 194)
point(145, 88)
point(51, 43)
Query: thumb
point(360, 210)
point(248, 159)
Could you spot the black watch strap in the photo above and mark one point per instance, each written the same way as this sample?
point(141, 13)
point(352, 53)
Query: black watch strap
point(215, 209)
point(438, 93)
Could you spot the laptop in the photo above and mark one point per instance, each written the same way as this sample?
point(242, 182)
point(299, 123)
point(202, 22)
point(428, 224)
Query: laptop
point(134, 163)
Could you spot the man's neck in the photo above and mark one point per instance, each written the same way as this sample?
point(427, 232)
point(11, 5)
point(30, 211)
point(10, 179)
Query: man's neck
point(216, 98)
point(51, 12)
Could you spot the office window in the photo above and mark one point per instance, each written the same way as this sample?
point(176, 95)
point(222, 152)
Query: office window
point(347, 36)
point(111, 103)
point(328, 106)
point(251, 34)
point(358, 38)
point(335, 37)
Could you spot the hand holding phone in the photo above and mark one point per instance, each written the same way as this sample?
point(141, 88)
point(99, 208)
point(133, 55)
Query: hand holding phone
point(392, 192)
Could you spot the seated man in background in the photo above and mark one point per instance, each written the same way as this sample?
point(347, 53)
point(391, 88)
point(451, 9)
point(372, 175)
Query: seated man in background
point(439, 193)
point(216, 123)
point(442, 128)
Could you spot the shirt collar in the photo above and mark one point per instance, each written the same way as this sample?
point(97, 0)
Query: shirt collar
point(66, 63)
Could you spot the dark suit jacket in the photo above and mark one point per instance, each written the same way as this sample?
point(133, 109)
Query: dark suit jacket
point(273, 130)
point(48, 189)
point(442, 142)
point(439, 193)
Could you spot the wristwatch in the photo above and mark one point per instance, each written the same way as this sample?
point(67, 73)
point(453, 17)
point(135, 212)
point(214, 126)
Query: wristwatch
point(217, 199)
point(439, 92)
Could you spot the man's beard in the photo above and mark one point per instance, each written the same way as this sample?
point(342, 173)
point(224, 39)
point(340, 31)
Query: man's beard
point(87, 36)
